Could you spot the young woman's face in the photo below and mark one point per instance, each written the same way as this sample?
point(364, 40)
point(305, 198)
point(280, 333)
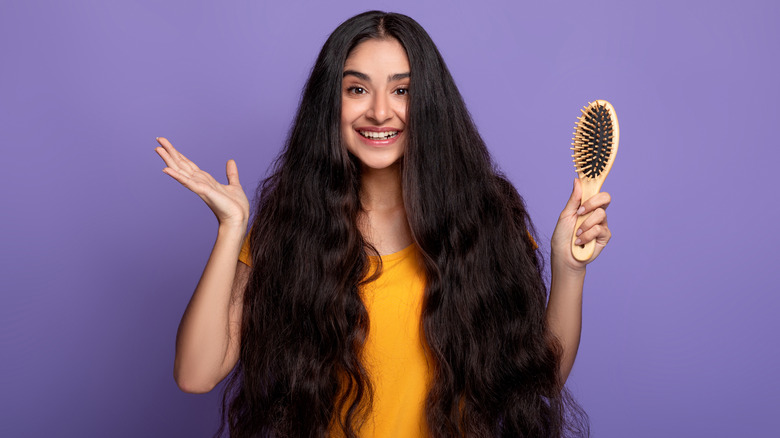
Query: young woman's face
point(374, 98)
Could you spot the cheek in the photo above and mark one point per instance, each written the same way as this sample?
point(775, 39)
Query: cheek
point(346, 124)
point(400, 111)
point(348, 115)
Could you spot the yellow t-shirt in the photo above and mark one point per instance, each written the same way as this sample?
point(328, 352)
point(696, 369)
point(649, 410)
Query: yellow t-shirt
point(394, 353)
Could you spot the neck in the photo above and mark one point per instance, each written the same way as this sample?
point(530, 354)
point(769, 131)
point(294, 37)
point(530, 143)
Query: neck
point(380, 189)
point(383, 221)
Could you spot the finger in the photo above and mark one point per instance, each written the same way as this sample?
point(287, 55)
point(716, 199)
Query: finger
point(178, 176)
point(574, 200)
point(599, 232)
point(169, 161)
point(195, 184)
point(183, 162)
point(599, 200)
point(232, 173)
point(173, 155)
point(599, 216)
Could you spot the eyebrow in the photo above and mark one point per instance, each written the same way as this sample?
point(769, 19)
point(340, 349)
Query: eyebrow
point(365, 77)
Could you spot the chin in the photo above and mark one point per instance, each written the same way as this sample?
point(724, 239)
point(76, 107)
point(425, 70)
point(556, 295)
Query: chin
point(378, 164)
point(376, 159)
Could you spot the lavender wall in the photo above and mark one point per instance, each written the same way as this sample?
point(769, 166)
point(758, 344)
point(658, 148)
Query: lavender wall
point(101, 250)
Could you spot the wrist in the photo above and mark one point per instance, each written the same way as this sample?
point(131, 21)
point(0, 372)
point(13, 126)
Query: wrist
point(235, 229)
point(560, 268)
point(566, 281)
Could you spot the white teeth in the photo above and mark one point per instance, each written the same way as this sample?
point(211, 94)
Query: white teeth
point(378, 135)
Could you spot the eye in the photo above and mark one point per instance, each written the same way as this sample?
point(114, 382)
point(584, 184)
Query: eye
point(402, 91)
point(356, 90)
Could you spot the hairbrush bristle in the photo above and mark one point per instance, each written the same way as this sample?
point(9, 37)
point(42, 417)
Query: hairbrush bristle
point(593, 140)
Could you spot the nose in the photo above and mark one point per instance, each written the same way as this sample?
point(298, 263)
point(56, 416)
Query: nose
point(380, 110)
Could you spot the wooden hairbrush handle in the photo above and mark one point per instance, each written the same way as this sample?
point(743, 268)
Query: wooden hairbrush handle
point(596, 138)
point(583, 253)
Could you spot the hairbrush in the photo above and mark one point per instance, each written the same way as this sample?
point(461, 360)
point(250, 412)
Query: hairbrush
point(596, 136)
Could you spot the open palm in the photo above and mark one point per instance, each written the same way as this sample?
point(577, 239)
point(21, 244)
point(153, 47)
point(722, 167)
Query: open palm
point(228, 202)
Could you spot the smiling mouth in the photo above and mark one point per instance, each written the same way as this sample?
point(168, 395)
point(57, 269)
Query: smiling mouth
point(378, 135)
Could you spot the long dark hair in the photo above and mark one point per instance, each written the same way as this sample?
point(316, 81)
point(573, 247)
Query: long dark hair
point(494, 363)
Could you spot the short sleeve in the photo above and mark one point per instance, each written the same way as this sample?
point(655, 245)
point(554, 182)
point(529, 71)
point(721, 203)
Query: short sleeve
point(531, 238)
point(245, 256)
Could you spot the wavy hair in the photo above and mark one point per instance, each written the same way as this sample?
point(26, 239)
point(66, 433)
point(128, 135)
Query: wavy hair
point(494, 362)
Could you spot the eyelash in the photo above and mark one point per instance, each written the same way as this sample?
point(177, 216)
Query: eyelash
point(354, 90)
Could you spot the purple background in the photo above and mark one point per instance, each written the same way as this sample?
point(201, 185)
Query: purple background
point(101, 250)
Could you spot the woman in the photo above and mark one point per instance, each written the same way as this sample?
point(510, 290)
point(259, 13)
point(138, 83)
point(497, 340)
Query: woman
point(394, 287)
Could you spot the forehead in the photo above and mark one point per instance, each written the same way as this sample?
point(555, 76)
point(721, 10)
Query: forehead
point(385, 55)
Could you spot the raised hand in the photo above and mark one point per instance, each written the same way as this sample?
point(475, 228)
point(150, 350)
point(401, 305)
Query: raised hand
point(594, 227)
point(228, 202)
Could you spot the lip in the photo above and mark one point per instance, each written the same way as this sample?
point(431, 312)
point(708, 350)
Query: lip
point(378, 143)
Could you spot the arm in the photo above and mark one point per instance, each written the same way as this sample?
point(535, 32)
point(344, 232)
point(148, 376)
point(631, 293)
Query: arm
point(564, 315)
point(208, 339)
point(564, 308)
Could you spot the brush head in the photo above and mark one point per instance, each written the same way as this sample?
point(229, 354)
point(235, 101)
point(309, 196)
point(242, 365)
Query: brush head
point(595, 139)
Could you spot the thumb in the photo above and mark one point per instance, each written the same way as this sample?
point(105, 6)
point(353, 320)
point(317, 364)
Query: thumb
point(574, 201)
point(232, 173)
